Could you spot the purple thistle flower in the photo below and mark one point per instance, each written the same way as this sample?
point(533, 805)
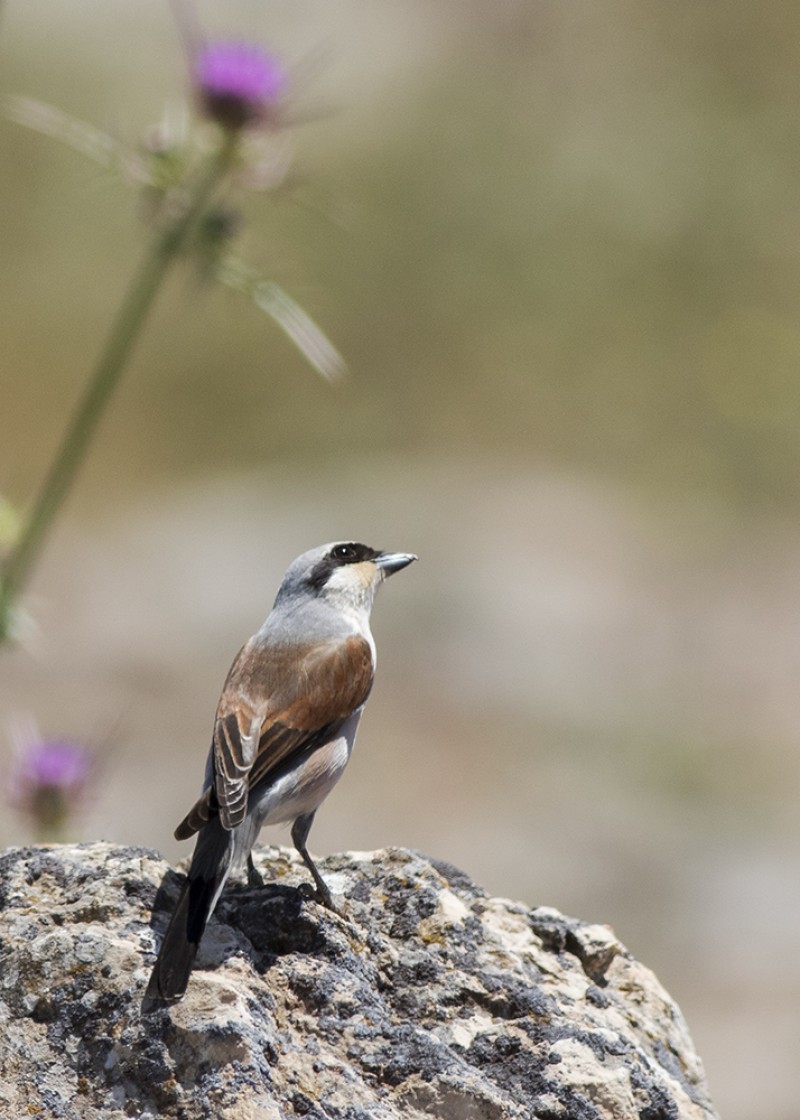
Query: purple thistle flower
point(238, 83)
point(48, 783)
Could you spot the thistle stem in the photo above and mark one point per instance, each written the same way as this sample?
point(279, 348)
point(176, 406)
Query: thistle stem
point(105, 377)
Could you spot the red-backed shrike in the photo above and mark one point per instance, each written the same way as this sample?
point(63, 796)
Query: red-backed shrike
point(283, 733)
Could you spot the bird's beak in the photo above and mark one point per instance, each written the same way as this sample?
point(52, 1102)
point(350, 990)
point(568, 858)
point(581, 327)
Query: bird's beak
point(390, 562)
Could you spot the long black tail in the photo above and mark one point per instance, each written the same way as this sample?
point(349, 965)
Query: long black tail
point(207, 874)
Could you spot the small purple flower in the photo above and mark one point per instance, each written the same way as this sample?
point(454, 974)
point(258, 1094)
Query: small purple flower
point(238, 83)
point(48, 783)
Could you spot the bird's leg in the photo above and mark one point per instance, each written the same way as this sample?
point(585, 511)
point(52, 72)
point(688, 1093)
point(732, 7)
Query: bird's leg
point(300, 831)
point(254, 877)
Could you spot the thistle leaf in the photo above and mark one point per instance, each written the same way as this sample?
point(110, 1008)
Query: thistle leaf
point(76, 134)
point(296, 323)
point(310, 340)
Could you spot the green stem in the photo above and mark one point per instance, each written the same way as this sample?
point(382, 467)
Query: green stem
point(105, 378)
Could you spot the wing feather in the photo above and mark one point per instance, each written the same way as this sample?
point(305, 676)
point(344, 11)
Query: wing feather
point(274, 707)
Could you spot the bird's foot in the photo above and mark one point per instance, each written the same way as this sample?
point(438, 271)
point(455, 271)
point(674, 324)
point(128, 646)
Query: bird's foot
point(319, 894)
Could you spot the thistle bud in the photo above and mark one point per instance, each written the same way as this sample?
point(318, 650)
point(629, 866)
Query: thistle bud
point(48, 784)
point(238, 84)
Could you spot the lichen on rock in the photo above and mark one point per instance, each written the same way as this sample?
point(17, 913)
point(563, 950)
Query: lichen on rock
point(424, 998)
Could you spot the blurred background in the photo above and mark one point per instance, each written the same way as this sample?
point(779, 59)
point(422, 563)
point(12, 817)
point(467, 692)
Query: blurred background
point(559, 246)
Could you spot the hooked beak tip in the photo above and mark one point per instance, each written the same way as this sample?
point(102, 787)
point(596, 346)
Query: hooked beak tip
point(390, 562)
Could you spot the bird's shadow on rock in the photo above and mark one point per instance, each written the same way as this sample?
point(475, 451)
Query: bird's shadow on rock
point(275, 919)
point(266, 922)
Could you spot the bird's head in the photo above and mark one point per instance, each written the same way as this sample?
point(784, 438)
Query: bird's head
point(343, 573)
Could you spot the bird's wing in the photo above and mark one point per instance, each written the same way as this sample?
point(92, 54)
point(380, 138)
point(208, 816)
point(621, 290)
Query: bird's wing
point(275, 706)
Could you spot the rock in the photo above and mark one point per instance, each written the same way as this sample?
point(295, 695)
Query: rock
point(425, 999)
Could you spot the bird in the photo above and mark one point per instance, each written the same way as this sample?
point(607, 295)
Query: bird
point(283, 733)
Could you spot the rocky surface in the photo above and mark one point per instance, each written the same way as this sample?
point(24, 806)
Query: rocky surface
point(425, 998)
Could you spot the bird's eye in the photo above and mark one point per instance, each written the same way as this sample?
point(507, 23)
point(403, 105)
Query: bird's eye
point(344, 552)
